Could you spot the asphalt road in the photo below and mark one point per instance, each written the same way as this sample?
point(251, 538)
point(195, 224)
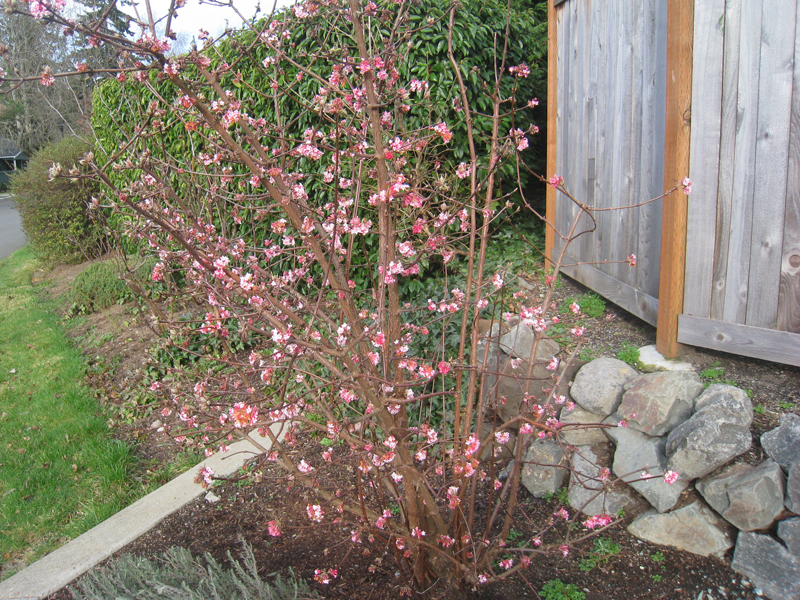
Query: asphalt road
point(11, 236)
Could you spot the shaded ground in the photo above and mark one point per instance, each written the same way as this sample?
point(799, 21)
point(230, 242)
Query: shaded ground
point(117, 342)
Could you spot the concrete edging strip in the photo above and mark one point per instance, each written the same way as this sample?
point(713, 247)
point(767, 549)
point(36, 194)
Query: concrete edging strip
point(60, 567)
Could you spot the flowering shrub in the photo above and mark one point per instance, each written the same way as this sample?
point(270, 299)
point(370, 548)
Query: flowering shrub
point(362, 181)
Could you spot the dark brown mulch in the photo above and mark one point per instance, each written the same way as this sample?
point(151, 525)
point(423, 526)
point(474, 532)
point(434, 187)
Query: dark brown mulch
point(368, 571)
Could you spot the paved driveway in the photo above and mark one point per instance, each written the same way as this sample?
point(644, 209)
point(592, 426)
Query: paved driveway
point(11, 236)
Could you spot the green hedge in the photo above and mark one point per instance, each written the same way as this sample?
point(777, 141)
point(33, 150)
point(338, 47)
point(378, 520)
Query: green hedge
point(55, 213)
point(480, 28)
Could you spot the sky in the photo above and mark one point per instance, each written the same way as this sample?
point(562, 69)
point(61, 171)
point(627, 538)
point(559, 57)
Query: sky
point(196, 15)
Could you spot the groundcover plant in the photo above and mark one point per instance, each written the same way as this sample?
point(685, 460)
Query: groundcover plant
point(297, 182)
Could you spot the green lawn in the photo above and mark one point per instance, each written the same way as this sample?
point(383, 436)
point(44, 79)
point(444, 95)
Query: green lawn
point(61, 473)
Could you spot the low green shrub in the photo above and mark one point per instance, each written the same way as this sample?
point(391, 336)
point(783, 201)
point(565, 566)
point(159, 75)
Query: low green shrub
point(629, 354)
point(55, 212)
point(178, 575)
point(98, 287)
point(555, 589)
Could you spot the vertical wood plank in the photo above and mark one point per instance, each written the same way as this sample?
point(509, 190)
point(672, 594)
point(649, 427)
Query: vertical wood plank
point(704, 168)
point(738, 273)
point(651, 213)
point(727, 154)
point(552, 125)
point(789, 295)
point(778, 28)
point(680, 35)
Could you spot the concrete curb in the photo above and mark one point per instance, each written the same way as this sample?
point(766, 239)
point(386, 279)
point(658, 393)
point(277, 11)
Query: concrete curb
point(60, 567)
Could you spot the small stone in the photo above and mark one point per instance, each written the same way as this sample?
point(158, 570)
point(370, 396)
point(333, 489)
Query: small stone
point(588, 493)
point(709, 439)
point(598, 386)
point(789, 532)
point(638, 454)
point(651, 360)
point(782, 444)
point(770, 566)
point(212, 498)
point(656, 403)
point(584, 436)
point(519, 341)
point(793, 489)
point(748, 497)
point(156, 424)
point(694, 528)
point(544, 468)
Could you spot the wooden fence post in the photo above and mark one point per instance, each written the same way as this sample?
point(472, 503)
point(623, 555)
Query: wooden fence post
point(680, 39)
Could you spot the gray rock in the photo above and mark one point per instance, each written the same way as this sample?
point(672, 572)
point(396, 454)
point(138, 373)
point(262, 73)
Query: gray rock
point(503, 452)
point(694, 528)
point(782, 444)
point(544, 468)
point(706, 441)
point(729, 404)
point(656, 403)
point(789, 532)
point(591, 495)
point(489, 343)
point(506, 388)
point(748, 497)
point(651, 359)
point(768, 564)
point(518, 342)
point(598, 386)
point(638, 455)
point(582, 436)
point(793, 489)
point(212, 498)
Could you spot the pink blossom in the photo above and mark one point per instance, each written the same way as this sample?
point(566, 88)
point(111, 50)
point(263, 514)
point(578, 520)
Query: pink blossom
point(473, 443)
point(418, 533)
point(378, 340)
point(533, 103)
point(47, 78)
point(274, 528)
point(555, 181)
point(507, 563)
point(632, 260)
point(578, 331)
point(575, 308)
point(687, 185)
point(671, 477)
point(553, 365)
point(520, 70)
point(564, 550)
point(304, 467)
point(525, 429)
point(315, 512)
point(463, 171)
point(443, 131)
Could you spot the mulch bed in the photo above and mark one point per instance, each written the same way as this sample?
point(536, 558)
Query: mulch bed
point(368, 570)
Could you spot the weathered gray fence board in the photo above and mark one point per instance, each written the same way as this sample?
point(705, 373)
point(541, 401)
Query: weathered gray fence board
point(743, 239)
point(789, 295)
point(704, 154)
point(651, 176)
point(634, 301)
point(727, 155)
point(610, 119)
point(738, 273)
point(746, 340)
point(772, 146)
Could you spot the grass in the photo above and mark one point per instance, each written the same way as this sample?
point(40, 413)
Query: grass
point(61, 471)
point(629, 354)
point(602, 552)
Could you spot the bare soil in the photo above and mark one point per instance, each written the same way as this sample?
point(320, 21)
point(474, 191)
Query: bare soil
point(118, 340)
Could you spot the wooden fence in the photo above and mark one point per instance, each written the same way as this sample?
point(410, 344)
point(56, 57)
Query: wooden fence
point(642, 93)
